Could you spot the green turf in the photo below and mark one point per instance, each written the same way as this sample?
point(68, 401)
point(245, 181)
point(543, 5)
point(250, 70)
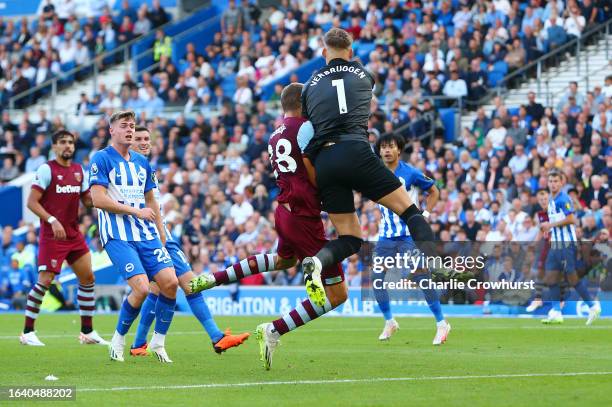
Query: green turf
point(329, 349)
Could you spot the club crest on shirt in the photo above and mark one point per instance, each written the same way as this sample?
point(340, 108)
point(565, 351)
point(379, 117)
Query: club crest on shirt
point(53, 263)
point(142, 175)
point(77, 175)
point(60, 177)
point(94, 168)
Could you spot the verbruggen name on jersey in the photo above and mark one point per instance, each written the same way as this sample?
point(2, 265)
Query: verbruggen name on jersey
point(335, 69)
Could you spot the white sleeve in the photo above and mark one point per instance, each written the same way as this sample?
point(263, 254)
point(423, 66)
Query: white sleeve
point(305, 134)
point(43, 176)
point(85, 183)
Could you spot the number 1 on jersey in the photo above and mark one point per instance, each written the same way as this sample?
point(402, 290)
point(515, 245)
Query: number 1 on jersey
point(339, 85)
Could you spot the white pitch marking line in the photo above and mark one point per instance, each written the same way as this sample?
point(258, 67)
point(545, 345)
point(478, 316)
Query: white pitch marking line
point(482, 328)
point(346, 381)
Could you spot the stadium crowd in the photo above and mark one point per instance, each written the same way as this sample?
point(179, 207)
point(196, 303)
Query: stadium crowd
point(217, 188)
point(59, 39)
point(415, 50)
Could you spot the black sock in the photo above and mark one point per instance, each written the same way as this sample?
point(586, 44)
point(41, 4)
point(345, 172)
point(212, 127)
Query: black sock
point(337, 250)
point(420, 230)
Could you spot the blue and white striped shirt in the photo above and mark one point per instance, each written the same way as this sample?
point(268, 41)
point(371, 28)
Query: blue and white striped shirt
point(559, 208)
point(161, 210)
point(127, 182)
point(413, 180)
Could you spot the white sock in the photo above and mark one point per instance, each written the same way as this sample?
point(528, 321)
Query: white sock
point(158, 340)
point(118, 339)
point(441, 323)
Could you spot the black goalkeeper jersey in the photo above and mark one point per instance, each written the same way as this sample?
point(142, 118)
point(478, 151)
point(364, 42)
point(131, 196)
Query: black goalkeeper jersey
point(336, 99)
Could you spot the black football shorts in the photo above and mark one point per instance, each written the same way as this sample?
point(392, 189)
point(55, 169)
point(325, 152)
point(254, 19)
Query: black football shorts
point(347, 166)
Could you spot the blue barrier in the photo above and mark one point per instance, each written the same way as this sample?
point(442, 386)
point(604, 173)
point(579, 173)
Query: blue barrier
point(18, 8)
point(447, 115)
point(272, 301)
point(12, 205)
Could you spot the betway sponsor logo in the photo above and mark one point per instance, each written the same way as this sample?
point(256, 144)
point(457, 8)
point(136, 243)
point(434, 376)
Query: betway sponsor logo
point(67, 189)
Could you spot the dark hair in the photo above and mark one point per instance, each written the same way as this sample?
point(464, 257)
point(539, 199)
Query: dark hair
point(291, 97)
point(142, 128)
point(61, 134)
point(390, 138)
point(337, 38)
point(122, 114)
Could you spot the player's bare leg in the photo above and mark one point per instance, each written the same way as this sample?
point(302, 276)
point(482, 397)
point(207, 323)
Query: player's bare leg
point(35, 297)
point(87, 302)
point(268, 334)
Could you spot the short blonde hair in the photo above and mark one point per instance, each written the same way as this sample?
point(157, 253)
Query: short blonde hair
point(122, 114)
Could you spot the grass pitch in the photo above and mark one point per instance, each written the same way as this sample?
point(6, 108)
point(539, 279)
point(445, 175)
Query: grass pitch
point(331, 361)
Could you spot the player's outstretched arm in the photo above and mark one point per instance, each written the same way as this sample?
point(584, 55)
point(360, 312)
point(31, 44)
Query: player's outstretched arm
point(101, 200)
point(152, 203)
point(35, 206)
point(432, 198)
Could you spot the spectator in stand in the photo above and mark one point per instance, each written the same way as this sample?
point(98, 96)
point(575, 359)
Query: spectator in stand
point(243, 95)
point(574, 22)
point(9, 170)
point(125, 31)
point(34, 160)
point(162, 46)
point(48, 11)
point(497, 134)
point(157, 15)
point(516, 56)
point(455, 87)
point(572, 91)
point(554, 34)
point(231, 18)
point(142, 25)
point(126, 11)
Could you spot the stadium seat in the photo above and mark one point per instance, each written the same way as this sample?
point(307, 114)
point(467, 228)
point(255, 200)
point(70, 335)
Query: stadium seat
point(447, 115)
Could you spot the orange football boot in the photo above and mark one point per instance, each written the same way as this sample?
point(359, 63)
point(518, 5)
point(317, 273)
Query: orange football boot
point(230, 341)
point(141, 351)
